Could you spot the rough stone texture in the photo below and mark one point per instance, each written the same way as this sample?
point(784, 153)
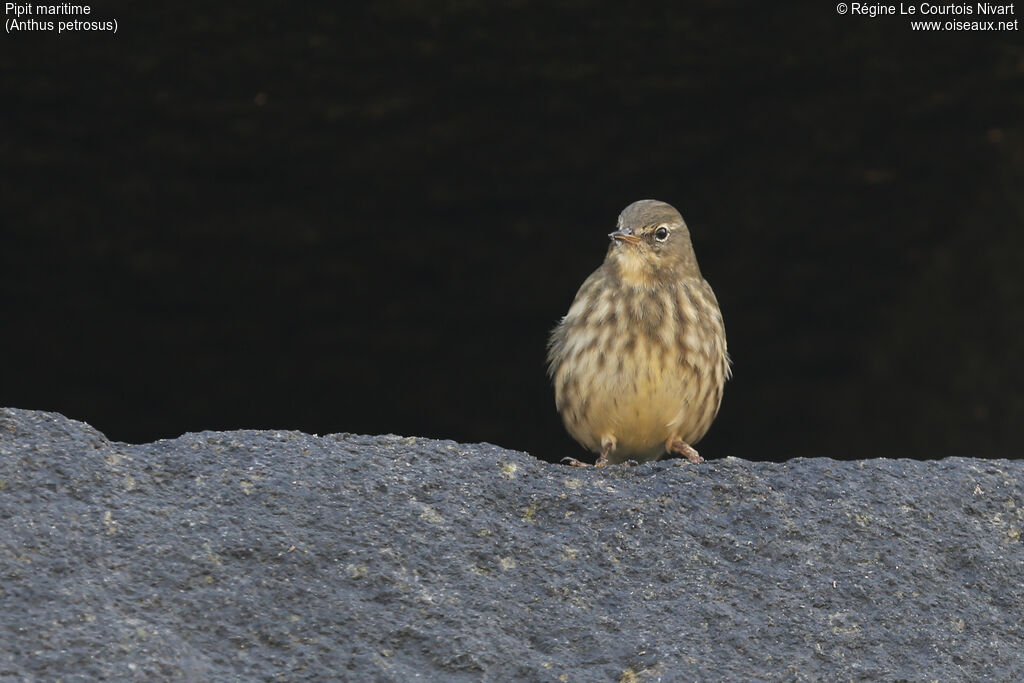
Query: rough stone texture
point(263, 554)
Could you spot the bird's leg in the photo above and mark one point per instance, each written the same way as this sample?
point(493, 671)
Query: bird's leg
point(573, 462)
point(607, 446)
point(677, 445)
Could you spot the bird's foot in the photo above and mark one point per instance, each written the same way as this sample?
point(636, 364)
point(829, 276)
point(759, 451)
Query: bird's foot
point(684, 449)
point(573, 462)
point(602, 459)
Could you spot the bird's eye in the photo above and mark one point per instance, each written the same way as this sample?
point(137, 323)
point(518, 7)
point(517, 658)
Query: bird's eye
point(661, 234)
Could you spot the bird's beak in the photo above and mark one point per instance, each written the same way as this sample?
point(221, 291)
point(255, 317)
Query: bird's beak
point(625, 235)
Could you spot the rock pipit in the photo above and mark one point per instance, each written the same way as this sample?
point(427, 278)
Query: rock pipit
point(640, 360)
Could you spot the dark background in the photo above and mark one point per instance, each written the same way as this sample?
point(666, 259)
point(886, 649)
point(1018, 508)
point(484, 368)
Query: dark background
point(367, 217)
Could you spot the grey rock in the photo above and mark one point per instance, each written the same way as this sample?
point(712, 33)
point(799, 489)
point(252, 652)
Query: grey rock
point(263, 555)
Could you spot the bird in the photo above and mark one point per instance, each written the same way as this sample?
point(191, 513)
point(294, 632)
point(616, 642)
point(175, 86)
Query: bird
point(640, 361)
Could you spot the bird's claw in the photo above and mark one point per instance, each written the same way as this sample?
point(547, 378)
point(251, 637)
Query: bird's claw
point(684, 449)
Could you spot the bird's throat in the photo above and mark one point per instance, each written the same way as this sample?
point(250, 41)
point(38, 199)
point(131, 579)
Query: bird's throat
point(632, 267)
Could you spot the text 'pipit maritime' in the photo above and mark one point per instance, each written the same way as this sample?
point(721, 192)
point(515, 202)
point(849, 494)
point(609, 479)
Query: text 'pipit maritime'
point(640, 360)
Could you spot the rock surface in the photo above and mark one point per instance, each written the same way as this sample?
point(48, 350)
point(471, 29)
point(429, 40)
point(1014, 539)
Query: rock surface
point(280, 555)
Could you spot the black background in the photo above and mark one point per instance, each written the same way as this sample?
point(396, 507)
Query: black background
point(367, 217)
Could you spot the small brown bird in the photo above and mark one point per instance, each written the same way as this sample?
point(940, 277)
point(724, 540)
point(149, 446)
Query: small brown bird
point(640, 360)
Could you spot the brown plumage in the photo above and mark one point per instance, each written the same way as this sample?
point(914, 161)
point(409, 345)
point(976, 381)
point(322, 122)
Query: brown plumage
point(640, 360)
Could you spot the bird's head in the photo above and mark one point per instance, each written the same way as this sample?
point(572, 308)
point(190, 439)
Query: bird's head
point(651, 243)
